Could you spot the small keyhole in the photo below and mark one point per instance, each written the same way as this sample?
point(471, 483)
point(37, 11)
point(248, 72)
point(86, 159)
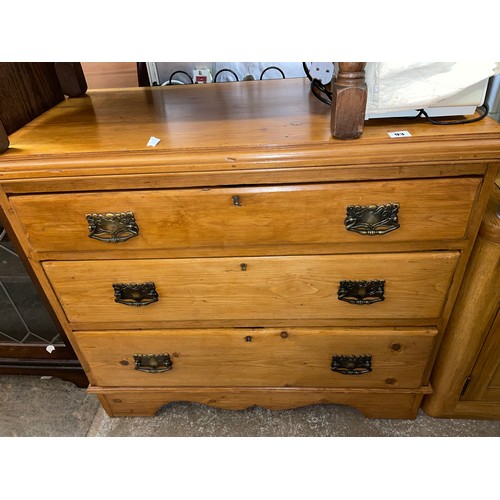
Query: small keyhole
point(243, 267)
point(236, 201)
point(248, 338)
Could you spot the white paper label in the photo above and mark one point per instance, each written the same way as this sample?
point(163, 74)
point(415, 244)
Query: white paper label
point(50, 349)
point(153, 141)
point(399, 133)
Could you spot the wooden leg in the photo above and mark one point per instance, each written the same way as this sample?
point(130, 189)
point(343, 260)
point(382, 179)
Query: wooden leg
point(349, 95)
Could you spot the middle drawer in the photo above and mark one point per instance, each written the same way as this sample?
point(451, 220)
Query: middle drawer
point(254, 289)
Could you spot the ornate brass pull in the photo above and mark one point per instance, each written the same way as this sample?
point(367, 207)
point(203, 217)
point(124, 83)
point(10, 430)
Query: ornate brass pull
point(152, 363)
point(112, 227)
point(372, 220)
point(352, 364)
point(361, 292)
point(135, 294)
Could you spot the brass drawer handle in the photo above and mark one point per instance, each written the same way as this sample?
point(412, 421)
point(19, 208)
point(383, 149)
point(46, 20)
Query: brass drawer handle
point(152, 363)
point(135, 294)
point(352, 364)
point(112, 227)
point(372, 220)
point(361, 292)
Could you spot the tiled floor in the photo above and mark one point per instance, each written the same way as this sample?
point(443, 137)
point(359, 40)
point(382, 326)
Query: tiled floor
point(35, 406)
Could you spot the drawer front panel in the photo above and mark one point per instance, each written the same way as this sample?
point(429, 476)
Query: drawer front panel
point(259, 357)
point(428, 210)
point(258, 289)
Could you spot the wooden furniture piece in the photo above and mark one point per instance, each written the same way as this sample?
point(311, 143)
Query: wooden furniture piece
point(26, 91)
point(467, 375)
point(248, 258)
point(349, 94)
point(108, 75)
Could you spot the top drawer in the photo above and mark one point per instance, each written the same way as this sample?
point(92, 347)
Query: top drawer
point(243, 217)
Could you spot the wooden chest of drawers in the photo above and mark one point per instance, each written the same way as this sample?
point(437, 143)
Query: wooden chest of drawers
point(248, 259)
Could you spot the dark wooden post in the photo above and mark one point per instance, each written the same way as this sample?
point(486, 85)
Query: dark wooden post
point(349, 101)
point(4, 139)
point(26, 91)
point(71, 78)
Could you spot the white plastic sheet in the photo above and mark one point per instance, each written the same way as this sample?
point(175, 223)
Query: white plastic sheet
point(415, 85)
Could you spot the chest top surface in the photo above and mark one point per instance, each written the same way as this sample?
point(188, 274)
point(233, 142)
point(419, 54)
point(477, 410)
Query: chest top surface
point(230, 124)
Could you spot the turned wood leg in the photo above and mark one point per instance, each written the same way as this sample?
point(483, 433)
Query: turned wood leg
point(349, 95)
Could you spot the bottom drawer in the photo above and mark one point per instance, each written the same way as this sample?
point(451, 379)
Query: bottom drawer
point(267, 357)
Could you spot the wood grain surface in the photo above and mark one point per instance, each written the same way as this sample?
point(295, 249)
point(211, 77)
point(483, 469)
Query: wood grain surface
point(110, 75)
point(490, 226)
point(485, 377)
point(263, 216)
point(271, 288)
point(270, 124)
point(349, 95)
point(259, 357)
point(27, 89)
point(471, 345)
point(373, 403)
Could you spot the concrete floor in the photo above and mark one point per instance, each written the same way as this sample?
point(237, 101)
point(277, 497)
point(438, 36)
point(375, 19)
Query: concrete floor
point(36, 407)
